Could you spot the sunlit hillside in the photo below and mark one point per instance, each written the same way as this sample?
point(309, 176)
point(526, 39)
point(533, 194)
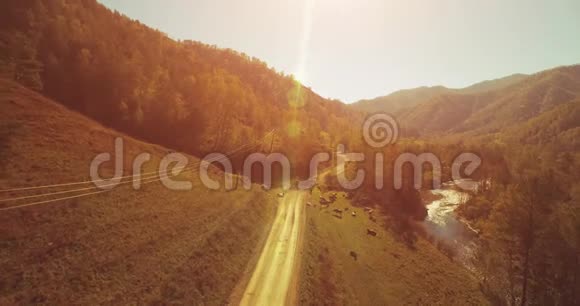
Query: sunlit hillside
point(205, 152)
point(72, 245)
point(137, 80)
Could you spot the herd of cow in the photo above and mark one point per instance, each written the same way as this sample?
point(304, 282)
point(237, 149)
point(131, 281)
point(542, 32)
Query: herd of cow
point(337, 212)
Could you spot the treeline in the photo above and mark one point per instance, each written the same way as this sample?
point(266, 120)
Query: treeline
point(529, 214)
point(526, 209)
point(182, 94)
point(529, 246)
point(527, 206)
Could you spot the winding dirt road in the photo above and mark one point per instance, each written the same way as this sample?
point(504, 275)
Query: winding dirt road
point(273, 281)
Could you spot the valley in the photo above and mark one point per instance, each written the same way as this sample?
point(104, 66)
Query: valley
point(82, 224)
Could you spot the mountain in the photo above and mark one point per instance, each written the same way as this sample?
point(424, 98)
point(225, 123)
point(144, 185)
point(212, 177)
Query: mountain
point(399, 100)
point(495, 84)
point(141, 82)
point(493, 111)
point(558, 128)
point(408, 98)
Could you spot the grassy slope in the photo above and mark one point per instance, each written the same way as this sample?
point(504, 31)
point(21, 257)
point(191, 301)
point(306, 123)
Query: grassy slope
point(386, 272)
point(118, 247)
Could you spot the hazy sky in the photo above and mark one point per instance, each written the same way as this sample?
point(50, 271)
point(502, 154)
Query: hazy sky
point(354, 49)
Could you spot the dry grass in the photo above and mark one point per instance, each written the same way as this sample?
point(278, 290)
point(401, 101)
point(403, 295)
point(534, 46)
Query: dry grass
point(121, 247)
point(386, 271)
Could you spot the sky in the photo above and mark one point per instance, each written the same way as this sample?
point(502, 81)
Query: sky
point(357, 49)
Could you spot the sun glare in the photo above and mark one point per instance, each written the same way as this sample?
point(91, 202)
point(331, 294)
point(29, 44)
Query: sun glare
point(301, 70)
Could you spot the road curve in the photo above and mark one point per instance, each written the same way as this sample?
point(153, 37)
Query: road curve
point(271, 282)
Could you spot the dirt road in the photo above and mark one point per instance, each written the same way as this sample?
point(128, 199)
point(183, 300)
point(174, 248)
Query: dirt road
point(272, 282)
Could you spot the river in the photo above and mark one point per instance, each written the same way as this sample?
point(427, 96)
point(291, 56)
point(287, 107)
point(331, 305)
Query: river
point(443, 224)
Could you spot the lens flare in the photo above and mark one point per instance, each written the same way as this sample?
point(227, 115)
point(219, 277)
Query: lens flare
point(293, 128)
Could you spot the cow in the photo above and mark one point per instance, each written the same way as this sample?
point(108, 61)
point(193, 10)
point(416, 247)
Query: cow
point(371, 232)
point(338, 211)
point(354, 255)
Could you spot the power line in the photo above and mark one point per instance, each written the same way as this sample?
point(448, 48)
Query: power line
point(65, 198)
point(98, 180)
point(153, 179)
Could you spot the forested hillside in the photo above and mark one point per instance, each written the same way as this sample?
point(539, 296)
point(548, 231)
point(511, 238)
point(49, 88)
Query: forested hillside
point(406, 99)
point(526, 130)
point(527, 211)
point(138, 80)
point(487, 107)
point(399, 100)
point(528, 216)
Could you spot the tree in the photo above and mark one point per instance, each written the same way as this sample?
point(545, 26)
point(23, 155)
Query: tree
point(18, 59)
